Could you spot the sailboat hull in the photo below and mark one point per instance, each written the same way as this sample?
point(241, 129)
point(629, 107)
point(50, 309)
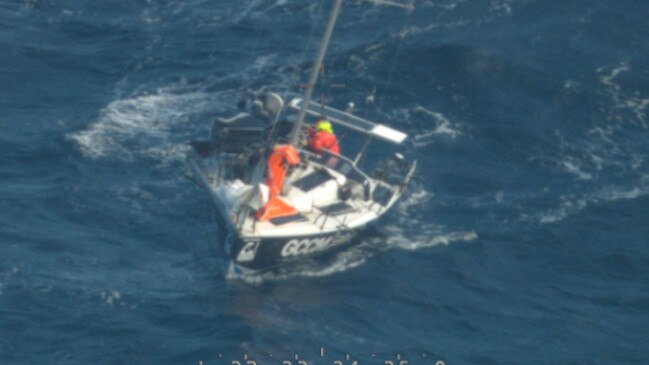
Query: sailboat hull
point(252, 254)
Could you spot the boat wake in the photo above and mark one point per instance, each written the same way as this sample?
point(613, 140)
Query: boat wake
point(145, 125)
point(405, 232)
point(355, 256)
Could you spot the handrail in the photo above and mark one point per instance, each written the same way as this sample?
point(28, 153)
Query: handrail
point(323, 158)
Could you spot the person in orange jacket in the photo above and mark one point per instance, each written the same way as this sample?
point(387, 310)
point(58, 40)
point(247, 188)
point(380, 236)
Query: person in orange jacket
point(322, 137)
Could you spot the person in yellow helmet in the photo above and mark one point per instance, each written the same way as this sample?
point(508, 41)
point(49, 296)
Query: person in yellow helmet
point(322, 137)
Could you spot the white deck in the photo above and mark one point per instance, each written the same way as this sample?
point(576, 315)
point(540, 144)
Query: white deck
point(311, 205)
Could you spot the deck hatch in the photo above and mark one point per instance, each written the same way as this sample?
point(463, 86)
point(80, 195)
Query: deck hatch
point(313, 180)
point(288, 219)
point(337, 208)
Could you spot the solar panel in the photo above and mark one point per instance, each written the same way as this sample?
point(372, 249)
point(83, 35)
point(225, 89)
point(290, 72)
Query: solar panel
point(337, 208)
point(288, 219)
point(313, 180)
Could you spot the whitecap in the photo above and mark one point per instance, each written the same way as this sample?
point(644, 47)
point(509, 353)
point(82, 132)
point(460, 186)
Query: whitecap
point(423, 241)
point(574, 167)
point(110, 297)
point(502, 6)
point(141, 125)
point(567, 208)
point(608, 79)
point(443, 126)
point(572, 204)
point(623, 100)
point(262, 62)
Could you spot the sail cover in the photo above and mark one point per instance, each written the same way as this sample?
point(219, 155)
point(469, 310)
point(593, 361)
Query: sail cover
point(351, 121)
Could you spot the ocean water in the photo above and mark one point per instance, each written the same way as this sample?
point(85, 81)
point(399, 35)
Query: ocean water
point(523, 238)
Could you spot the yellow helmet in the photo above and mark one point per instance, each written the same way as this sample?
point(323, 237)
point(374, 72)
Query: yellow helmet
point(324, 125)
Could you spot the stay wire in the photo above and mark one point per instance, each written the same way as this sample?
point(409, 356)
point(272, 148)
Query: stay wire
point(296, 70)
point(396, 56)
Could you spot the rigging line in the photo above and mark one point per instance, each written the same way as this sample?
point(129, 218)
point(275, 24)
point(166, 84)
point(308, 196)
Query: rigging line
point(246, 10)
point(315, 70)
point(258, 34)
point(296, 70)
point(396, 56)
point(294, 75)
point(303, 58)
point(255, 43)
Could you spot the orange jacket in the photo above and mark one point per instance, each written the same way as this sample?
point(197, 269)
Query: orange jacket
point(277, 163)
point(319, 140)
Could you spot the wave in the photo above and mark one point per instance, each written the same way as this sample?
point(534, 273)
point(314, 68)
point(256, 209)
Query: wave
point(627, 106)
point(458, 14)
point(142, 125)
point(6, 276)
point(573, 203)
point(443, 126)
point(573, 166)
point(611, 142)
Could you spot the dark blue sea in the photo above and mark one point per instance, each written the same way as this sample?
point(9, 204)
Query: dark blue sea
point(523, 237)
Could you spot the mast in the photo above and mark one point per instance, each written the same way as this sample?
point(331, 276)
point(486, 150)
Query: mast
point(313, 77)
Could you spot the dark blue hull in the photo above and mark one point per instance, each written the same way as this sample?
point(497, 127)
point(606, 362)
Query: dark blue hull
point(252, 254)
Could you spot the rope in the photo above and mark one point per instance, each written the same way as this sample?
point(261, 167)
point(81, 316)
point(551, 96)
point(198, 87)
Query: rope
point(396, 56)
point(295, 75)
